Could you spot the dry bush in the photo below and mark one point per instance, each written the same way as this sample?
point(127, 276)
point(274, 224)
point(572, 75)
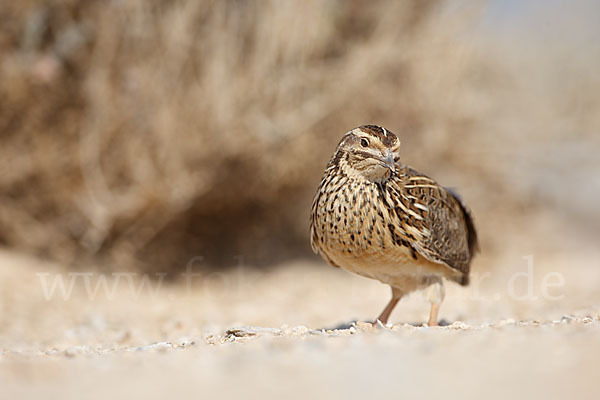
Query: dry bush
point(148, 132)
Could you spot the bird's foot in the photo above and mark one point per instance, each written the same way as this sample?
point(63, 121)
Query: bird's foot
point(378, 324)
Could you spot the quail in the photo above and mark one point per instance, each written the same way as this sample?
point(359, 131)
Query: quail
point(378, 218)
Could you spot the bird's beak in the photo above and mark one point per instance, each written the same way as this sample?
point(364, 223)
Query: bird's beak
point(388, 160)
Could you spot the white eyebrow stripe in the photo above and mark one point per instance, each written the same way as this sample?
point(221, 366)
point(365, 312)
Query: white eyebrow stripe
point(384, 131)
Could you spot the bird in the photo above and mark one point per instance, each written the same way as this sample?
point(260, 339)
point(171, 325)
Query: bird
point(376, 217)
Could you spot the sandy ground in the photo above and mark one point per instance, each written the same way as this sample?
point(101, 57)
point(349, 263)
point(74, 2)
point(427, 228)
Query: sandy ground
point(257, 333)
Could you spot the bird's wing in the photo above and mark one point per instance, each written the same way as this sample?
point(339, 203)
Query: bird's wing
point(433, 220)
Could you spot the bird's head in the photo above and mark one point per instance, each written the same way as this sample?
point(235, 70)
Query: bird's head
point(369, 152)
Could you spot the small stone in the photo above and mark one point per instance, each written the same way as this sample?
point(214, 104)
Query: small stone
point(365, 326)
point(160, 346)
point(246, 331)
point(567, 319)
point(299, 330)
point(458, 325)
point(70, 353)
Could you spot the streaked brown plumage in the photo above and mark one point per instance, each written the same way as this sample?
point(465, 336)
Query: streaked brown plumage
point(381, 219)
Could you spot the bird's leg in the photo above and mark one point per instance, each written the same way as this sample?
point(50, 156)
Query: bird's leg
point(385, 314)
point(435, 294)
point(433, 314)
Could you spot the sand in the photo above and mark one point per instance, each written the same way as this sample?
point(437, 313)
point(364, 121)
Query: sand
point(272, 333)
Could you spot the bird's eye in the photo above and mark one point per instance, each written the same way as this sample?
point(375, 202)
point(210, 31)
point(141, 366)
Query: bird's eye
point(364, 142)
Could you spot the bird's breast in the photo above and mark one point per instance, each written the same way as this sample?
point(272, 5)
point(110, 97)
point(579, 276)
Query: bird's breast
point(349, 219)
point(352, 224)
